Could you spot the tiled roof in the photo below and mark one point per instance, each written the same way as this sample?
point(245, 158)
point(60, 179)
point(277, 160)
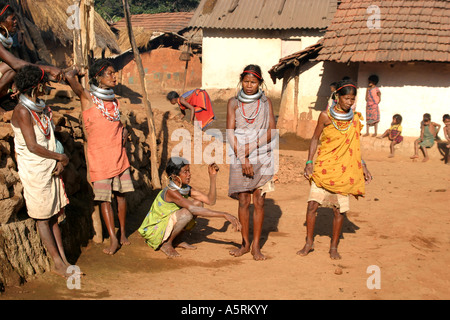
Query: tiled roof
point(409, 30)
point(159, 22)
point(264, 14)
point(294, 60)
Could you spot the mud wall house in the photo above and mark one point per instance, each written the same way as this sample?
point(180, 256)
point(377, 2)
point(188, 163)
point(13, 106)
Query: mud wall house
point(51, 31)
point(305, 88)
point(406, 43)
point(241, 32)
point(171, 60)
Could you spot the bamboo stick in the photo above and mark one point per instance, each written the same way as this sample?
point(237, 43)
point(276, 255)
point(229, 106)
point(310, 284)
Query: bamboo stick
point(156, 183)
point(82, 45)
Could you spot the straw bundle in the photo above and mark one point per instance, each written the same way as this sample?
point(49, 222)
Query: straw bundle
point(51, 18)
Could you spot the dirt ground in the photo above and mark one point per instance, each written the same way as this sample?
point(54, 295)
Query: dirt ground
point(400, 230)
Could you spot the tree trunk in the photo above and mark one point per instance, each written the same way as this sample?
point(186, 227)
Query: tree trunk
point(156, 183)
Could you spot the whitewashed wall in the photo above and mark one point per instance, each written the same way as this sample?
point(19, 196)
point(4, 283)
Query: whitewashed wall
point(300, 107)
point(226, 53)
point(410, 89)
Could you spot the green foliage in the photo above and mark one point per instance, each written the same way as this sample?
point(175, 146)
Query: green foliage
point(112, 10)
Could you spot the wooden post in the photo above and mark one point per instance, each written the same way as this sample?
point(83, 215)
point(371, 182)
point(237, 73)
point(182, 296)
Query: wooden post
point(82, 44)
point(280, 10)
point(185, 56)
point(156, 183)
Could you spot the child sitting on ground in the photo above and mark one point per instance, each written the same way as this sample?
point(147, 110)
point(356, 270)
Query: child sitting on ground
point(444, 145)
point(428, 133)
point(394, 133)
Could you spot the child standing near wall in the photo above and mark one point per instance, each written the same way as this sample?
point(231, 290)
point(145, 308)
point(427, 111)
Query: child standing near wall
point(373, 99)
point(394, 133)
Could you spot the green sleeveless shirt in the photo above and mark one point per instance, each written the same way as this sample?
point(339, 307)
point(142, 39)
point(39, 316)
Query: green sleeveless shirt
point(155, 223)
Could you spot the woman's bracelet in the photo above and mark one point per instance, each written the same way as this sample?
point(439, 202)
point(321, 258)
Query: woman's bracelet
point(309, 161)
point(363, 162)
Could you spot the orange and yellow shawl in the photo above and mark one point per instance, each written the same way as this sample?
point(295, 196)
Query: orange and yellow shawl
point(338, 166)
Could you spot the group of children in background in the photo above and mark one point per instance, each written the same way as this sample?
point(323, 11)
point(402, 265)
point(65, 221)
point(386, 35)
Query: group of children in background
point(428, 136)
point(428, 129)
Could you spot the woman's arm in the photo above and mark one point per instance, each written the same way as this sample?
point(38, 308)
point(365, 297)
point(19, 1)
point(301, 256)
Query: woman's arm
point(74, 83)
point(22, 119)
point(268, 135)
point(11, 60)
point(323, 120)
point(367, 175)
point(210, 198)
point(231, 126)
point(15, 63)
point(241, 152)
point(179, 200)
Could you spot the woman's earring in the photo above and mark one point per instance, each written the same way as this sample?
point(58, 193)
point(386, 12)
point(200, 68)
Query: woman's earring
point(181, 182)
point(238, 88)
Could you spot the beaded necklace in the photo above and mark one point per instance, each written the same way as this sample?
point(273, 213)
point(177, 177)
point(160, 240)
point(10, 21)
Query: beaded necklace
point(43, 120)
point(100, 105)
point(250, 119)
point(340, 125)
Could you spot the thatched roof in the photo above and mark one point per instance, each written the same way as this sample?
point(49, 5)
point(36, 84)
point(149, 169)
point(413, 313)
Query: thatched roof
point(51, 18)
point(142, 37)
point(146, 39)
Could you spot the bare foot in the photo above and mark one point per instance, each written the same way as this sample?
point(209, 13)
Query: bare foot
point(414, 157)
point(124, 241)
point(365, 135)
point(169, 251)
point(334, 254)
point(114, 246)
point(425, 159)
point(61, 270)
point(187, 246)
point(374, 135)
point(391, 156)
point(306, 249)
point(239, 252)
point(257, 254)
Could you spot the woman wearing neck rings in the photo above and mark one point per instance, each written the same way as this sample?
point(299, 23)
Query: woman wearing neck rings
point(251, 134)
point(9, 64)
point(172, 211)
point(106, 137)
point(338, 170)
point(40, 162)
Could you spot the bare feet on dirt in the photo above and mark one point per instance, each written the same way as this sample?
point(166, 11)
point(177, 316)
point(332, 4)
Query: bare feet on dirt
point(309, 247)
point(170, 251)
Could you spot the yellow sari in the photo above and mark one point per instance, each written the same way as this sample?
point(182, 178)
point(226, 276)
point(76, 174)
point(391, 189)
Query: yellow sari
point(338, 166)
